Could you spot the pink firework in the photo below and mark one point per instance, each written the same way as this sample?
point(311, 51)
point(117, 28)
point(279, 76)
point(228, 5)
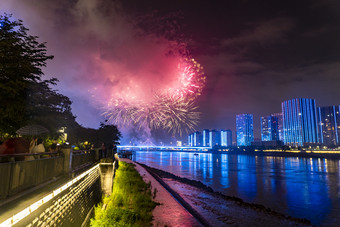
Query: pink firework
point(190, 80)
point(171, 107)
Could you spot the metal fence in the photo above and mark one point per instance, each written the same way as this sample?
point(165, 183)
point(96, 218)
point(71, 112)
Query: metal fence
point(23, 171)
point(68, 205)
point(22, 175)
point(82, 158)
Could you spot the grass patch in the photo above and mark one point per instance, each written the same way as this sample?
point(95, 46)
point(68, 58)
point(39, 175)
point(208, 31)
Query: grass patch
point(130, 203)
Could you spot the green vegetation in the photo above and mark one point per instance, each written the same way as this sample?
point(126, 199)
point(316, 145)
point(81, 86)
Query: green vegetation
point(130, 203)
point(24, 96)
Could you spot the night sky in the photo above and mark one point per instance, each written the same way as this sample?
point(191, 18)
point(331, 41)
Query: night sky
point(255, 54)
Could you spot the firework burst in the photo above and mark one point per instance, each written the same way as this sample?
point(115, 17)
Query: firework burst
point(171, 108)
point(177, 114)
point(190, 80)
point(174, 114)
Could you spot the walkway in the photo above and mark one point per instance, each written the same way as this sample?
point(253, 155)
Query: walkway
point(170, 212)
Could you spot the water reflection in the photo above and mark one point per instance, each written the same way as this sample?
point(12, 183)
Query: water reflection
point(300, 187)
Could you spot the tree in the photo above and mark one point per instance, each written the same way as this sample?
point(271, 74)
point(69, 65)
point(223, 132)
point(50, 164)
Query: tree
point(27, 99)
point(108, 134)
point(21, 60)
point(48, 108)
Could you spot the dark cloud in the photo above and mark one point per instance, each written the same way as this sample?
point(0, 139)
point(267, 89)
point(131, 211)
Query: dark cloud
point(261, 34)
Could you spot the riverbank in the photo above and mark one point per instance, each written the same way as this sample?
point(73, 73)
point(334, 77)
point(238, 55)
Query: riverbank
point(281, 154)
point(168, 212)
point(221, 210)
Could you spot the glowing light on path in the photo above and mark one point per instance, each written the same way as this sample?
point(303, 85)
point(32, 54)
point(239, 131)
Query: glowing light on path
point(30, 209)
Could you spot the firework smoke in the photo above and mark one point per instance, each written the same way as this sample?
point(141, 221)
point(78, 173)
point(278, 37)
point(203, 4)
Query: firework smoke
point(103, 57)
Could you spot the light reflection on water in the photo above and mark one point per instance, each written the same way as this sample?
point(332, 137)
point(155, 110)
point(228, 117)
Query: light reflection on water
point(299, 187)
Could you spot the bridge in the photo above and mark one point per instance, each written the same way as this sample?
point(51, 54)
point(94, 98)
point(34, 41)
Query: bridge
point(58, 189)
point(165, 148)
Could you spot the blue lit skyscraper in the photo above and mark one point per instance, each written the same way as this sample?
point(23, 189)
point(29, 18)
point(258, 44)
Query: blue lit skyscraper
point(206, 138)
point(329, 128)
point(191, 140)
point(226, 138)
point(266, 128)
point(279, 125)
point(244, 129)
point(215, 138)
point(299, 121)
point(197, 139)
point(269, 128)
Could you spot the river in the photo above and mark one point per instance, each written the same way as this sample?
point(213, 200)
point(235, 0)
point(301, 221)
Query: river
point(299, 187)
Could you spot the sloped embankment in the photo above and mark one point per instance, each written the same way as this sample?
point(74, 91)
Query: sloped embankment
point(130, 203)
point(221, 210)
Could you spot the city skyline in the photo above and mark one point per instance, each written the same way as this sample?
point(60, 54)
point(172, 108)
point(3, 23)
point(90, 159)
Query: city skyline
point(299, 123)
point(254, 55)
point(210, 138)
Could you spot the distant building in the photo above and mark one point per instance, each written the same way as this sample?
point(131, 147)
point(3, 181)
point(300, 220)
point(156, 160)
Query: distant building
point(244, 129)
point(191, 140)
point(197, 139)
point(329, 125)
point(300, 122)
point(206, 138)
point(279, 125)
point(226, 138)
point(215, 138)
point(269, 128)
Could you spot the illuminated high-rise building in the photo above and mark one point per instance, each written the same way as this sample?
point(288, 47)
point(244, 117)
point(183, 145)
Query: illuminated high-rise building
point(329, 125)
point(197, 139)
point(226, 138)
point(191, 140)
point(215, 138)
point(244, 129)
point(266, 128)
point(299, 121)
point(279, 124)
point(269, 128)
point(206, 138)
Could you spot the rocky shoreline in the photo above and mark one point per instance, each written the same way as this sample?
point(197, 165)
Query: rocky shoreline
point(214, 206)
